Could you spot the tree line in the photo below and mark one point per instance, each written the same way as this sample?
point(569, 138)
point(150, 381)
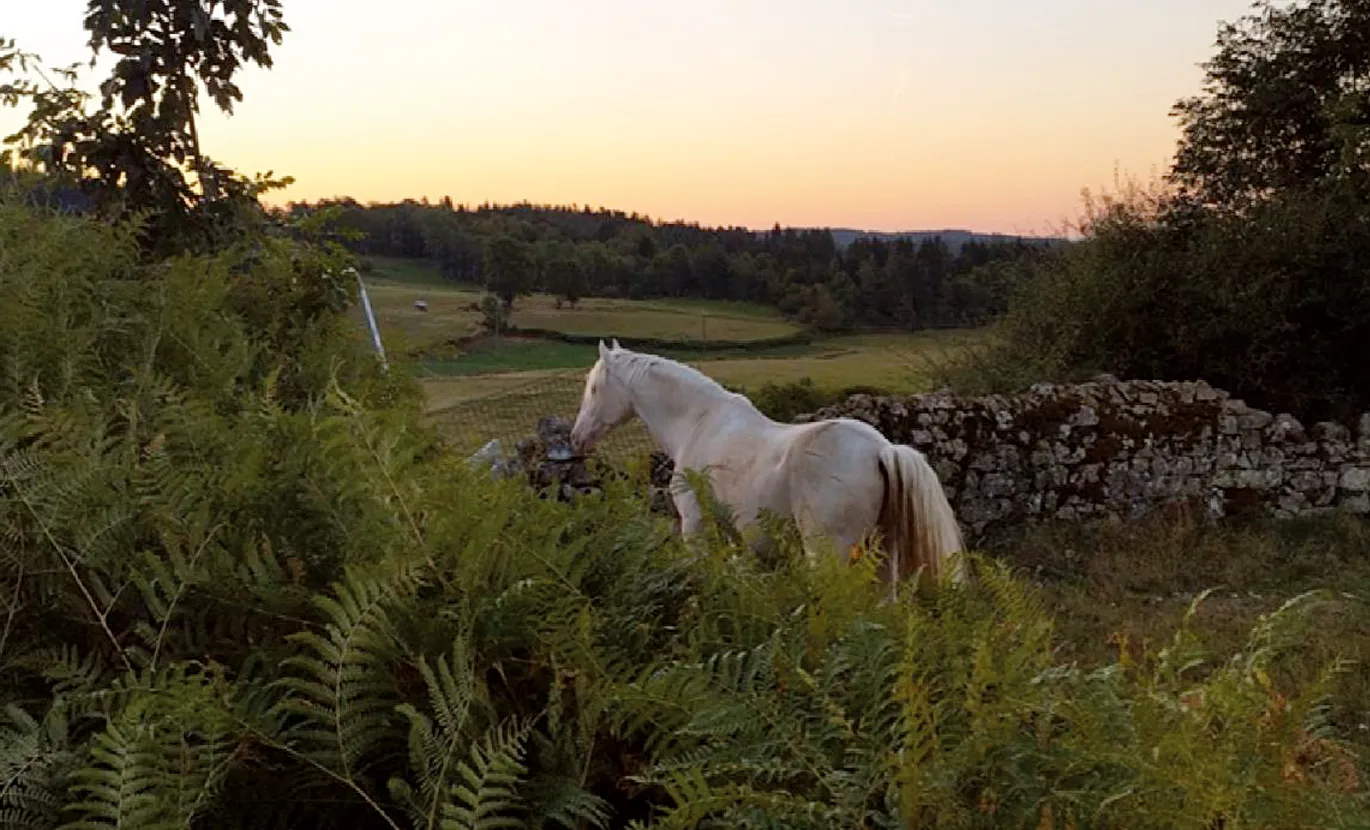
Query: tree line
point(572, 252)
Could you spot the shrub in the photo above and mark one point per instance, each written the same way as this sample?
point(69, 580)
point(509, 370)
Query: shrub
point(1273, 305)
point(494, 315)
point(785, 401)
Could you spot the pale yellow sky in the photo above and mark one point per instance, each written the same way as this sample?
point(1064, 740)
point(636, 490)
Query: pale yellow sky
point(875, 114)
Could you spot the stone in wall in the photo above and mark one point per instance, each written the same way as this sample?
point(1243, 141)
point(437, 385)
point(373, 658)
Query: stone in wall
point(546, 461)
point(1121, 448)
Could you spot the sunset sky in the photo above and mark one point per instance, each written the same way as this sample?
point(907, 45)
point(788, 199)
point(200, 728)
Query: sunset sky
point(875, 114)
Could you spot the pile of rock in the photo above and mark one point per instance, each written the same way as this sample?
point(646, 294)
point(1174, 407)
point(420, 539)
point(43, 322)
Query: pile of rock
point(545, 459)
point(659, 472)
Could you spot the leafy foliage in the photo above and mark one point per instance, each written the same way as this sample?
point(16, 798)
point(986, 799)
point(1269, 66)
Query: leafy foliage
point(129, 156)
point(508, 268)
point(785, 401)
point(1285, 105)
point(1270, 305)
point(1247, 268)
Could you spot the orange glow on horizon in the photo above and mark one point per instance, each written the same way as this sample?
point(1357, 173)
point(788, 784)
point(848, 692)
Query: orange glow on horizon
point(887, 115)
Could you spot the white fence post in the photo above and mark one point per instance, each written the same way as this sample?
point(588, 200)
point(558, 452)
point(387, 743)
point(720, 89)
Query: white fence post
point(371, 320)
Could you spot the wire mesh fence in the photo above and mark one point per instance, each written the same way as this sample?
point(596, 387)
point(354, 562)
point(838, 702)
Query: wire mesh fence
point(510, 410)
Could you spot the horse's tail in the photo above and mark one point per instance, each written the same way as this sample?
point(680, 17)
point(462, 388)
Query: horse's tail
point(916, 521)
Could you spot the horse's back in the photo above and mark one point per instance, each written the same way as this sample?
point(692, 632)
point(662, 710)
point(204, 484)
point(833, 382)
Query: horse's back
point(839, 439)
point(744, 460)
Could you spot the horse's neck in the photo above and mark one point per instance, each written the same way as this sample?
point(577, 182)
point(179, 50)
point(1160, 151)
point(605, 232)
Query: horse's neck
point(673, 406)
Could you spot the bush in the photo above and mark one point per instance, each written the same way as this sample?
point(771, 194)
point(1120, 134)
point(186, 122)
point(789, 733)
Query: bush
point(785, 401)
point(494, 314)
point(228, 607)
point(1273, 305)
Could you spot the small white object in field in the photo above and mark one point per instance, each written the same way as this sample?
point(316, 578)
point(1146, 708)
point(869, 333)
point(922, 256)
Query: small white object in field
point(488, 455)
point(421, 305)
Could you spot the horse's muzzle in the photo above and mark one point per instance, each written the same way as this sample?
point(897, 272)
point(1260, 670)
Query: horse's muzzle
point(582, 440)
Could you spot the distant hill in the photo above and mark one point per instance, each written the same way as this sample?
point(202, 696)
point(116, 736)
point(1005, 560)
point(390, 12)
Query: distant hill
point(954, 238)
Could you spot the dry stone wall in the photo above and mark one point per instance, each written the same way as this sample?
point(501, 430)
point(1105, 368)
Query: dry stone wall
point(1121, 448)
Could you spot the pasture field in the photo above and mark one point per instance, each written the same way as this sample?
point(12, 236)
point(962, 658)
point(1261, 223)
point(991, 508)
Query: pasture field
point(499, 387)
point(501, 392)
point(395, 284)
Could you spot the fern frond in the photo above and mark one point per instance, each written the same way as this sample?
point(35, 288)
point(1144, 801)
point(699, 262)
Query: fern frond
point(164, 753)
point(435, 743)
point(697, 802)
point(558, 801)
point(487, 796)
point(121, 790)
point(34, 761)
point(341, 686)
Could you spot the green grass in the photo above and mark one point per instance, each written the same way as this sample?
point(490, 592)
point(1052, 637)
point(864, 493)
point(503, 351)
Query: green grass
point(725, 308)
point(408, 271)
point(501, 388)
point(395, 284)
point(630, 318)
point(898, 363)
point(513, 354)
point(1124, 587)
point(472, 410)
point(449, 316)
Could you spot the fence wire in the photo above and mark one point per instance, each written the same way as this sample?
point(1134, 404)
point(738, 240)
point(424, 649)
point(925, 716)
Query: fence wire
point(511, 411)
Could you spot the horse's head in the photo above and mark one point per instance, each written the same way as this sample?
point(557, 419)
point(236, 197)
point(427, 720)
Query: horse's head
point(604, 404)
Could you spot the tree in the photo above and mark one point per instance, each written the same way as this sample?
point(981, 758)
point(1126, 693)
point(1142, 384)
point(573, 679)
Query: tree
point(932, 261)
point(711, 269)
point(829, 304)
point(564, 275)
point(1286, 104)
point(446, 243)
point(901, 285)
point(509, 268)
point(130, 153)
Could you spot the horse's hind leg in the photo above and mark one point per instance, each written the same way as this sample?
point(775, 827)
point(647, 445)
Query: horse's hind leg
point(834, 521)
point(687, 507)
point(821, 538)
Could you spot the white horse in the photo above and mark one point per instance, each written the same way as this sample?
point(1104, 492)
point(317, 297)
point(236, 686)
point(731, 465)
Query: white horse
point(839, 479)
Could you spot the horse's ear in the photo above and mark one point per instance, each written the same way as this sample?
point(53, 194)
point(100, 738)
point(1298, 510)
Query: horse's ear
point(603, 350)
point(616, 346)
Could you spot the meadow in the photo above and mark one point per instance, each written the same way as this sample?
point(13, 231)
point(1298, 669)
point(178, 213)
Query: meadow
point(395, 284)
point(498, 387)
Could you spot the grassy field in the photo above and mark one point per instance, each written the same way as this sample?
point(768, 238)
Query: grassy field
point(1123, 588)
point(395, 284)
point(502, 391)
point(499, 387)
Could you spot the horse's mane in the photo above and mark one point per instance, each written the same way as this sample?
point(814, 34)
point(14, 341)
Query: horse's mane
point(639, 364)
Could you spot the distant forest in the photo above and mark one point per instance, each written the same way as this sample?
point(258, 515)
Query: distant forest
point(871, 281)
